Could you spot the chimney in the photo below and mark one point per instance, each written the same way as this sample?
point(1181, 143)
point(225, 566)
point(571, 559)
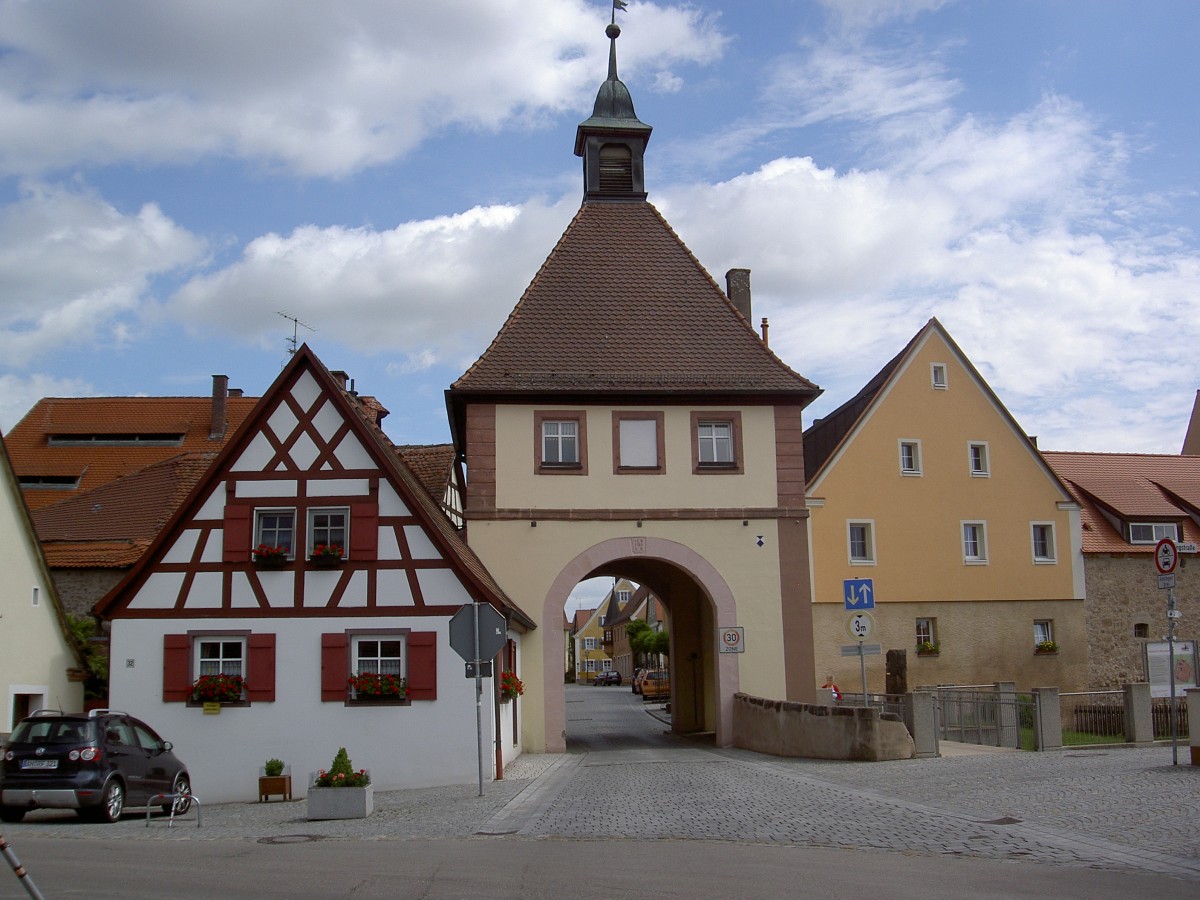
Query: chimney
point(737, 286)
point(374, 410)
point(216, 427)
point(765, 329)
point(235, 392)
point(340, 377)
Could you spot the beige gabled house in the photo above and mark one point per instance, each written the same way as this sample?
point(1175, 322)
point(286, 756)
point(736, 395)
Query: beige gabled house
point(40, 665)
point(628, 421)
point(926, 486)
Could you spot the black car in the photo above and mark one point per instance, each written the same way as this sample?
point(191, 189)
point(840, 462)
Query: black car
point(96, 764)
point(612, 676)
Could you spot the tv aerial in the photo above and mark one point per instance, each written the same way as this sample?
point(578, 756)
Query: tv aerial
point(296, 326)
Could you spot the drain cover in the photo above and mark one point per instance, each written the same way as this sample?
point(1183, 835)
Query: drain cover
point(1006, 820)
point(292, 839)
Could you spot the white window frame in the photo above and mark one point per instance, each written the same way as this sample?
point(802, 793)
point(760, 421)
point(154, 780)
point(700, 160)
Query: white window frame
point(227, 663)
point(378, 659)
point(715, 440)
point(868, 557)
point(589, 643)
point(1043, 630)
point(973, 535)
point(1050, 556)
point(939, 383)
point(589, 665)
point(311, 532)
point(984, 458)
point(557, 439)
point(260, 531)
point(1158, 531)
point(638, 443)
point(927, 633)
point(915, 446)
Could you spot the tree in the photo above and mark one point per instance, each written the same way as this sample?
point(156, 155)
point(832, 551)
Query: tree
point(644, 641)
point(95, 656)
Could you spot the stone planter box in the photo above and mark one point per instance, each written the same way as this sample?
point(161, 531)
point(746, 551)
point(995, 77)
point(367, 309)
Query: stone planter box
point(340, 802)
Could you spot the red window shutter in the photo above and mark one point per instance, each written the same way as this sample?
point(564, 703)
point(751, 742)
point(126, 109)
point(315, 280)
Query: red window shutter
point(177, 676)
point(237, 533)
point(260, 672)
point(422, 665)
point(335, 667)
point(364, 530)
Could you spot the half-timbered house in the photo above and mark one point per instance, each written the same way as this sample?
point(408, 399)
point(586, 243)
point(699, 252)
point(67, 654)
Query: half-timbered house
point(311, 564)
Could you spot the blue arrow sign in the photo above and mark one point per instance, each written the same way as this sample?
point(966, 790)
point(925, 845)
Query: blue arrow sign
point(859, 593)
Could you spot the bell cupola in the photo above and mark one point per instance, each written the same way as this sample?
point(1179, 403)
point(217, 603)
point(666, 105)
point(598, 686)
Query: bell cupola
point(613, 141)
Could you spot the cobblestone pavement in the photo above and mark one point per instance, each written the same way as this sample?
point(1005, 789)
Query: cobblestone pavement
point(623, 776)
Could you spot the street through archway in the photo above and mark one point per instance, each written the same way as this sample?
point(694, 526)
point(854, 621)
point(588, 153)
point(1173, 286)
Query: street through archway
point(612, 717)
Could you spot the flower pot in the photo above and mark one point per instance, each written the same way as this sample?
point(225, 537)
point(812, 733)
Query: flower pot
point(270, 562)
point(269, 785)
point(325, 561)
point(340, 802)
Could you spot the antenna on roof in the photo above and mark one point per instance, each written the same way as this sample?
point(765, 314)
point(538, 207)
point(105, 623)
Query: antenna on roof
point(296, 323)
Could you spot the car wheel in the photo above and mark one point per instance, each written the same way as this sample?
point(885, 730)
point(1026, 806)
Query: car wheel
point(183, 790)
point(12, 813)
point(114, 802)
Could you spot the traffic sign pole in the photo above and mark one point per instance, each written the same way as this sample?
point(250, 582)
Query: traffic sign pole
point(1166, 558)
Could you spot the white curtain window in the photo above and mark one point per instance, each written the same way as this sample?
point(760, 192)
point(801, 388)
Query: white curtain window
point(716, 442)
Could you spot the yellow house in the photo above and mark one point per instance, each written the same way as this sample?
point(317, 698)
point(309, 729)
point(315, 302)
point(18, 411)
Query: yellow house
point(926, 486)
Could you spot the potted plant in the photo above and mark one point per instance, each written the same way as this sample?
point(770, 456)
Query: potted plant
point(928, 648)
point(274, 780)
point(1046, 647)
point(511, 687)
point(340, 792)
point(377, 686)
point(219, 688)
point(326, 555)
point(268, 557)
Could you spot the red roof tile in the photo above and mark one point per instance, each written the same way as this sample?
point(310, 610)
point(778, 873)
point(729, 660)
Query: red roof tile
point(621, 305)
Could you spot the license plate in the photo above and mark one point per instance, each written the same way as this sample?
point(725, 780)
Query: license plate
point(39, 764)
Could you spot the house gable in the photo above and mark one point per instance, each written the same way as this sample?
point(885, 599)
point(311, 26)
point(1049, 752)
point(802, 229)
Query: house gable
point(306, 453)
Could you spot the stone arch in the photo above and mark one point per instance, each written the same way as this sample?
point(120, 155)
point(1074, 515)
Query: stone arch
point(642, 551)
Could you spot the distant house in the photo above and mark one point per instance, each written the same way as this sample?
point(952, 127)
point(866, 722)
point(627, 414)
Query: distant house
point(591, 659)
point(1129, 502)
point(245, 580)
point(39, 664)
point(924, 485)
point(642, 605)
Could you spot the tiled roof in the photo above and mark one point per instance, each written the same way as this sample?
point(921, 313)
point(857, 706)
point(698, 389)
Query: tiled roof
point(95, 464)
point(431, 463)
point(621, 305)
point(1129, 486)
point(93, 554)
point(131, 508)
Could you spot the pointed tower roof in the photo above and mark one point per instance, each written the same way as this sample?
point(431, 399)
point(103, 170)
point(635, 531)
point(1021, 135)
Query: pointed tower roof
point(1191, 440)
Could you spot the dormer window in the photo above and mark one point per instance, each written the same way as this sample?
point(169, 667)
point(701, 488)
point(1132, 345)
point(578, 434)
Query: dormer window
point(1152, 532)
point(616, 169)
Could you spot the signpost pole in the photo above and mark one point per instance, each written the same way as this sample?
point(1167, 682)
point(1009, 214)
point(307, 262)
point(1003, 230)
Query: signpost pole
point(1171, 661)
point(862, 667)
point(478, 697)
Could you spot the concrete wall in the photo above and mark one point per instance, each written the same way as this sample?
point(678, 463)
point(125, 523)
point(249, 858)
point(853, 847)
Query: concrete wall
point(818, 732)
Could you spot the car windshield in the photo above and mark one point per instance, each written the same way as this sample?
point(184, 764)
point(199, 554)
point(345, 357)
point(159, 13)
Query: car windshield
point(54, 731)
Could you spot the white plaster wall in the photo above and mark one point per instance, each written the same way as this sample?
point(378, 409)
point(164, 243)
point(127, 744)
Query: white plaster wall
point(426, 744)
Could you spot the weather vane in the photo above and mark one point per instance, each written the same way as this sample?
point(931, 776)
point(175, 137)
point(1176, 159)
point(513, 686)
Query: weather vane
point(618, 4)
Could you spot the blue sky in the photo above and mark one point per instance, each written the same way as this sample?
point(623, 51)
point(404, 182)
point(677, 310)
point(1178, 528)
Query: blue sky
point(172, 176)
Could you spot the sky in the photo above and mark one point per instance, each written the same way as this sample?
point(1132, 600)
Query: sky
point(185, 187)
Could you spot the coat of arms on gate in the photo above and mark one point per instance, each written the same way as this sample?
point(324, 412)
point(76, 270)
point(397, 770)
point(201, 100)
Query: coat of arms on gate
point(638, 546)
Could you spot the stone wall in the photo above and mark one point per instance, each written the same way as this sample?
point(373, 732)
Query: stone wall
point(1122, 592)
point(80, 589)
point(782, 728)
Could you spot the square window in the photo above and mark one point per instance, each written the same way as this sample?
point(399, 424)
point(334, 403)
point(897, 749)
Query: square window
point(1043, 633)
point(220, 656)
point(1044, 550)
point(560, 439)
point(638, 443)
point(716, 442)
point(977, 455)
point(329, 528)
point(275, 528)
point(861, 542)
point(910, 457)
point(589, 643)
point(974, 542)
point(937, 374)
point(378, 655)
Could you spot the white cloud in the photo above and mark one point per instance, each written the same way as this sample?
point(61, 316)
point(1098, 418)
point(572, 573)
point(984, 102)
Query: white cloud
point(860, 15)
point(18, 394)
point(322, 87)
point(72, 267)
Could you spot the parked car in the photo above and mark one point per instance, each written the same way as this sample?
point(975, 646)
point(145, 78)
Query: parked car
point(96, 764)
point(635, 683)
point(612, 676)
point(656, 685)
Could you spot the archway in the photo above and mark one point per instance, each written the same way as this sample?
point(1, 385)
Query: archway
point(700, 603)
